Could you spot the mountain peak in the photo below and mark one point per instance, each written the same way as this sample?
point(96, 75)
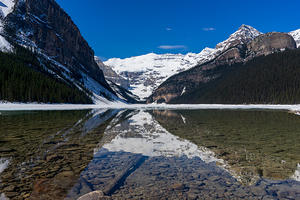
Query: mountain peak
point(246, 32)
point(243, 35)
point(247, 27)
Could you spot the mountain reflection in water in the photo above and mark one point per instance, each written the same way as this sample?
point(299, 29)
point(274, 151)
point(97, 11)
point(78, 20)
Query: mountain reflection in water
point(134, 154)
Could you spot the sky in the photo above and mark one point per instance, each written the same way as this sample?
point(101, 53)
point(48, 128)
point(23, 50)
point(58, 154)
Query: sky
point(126, 28)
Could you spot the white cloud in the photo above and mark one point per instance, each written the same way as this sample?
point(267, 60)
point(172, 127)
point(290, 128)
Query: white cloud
point(209, 29)
point(172, 47)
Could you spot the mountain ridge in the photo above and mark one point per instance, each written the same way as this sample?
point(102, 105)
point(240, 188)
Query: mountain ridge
point(144, 77)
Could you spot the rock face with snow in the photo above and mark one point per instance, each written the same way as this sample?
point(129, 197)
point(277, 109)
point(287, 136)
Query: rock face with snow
point(111, 75)
point(242, 46)
point(47, 26)
point(6, 7)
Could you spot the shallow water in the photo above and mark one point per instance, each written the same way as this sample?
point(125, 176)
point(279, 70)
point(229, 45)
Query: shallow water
point(153, 154)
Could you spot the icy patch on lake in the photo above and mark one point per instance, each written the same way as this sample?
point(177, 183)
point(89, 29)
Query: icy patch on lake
point(119, 105)
point(4, 162)
point(3, 197)
point(296, 175)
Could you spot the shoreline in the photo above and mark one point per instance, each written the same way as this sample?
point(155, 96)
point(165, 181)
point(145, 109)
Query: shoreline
point(45, 107)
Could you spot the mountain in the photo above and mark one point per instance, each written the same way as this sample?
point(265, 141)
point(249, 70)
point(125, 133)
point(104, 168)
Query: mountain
point(271, 79)
point(44, 28)
point(145, 73)
point(191, 83)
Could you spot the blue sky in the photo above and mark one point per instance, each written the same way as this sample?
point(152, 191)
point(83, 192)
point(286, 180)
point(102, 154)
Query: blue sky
point(125, 28)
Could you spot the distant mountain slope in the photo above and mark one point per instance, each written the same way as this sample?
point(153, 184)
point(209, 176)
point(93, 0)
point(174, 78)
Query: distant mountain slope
point(188, 81)
point(111, 75)
point(47, 30)
point(147, 72)
point(272, 79)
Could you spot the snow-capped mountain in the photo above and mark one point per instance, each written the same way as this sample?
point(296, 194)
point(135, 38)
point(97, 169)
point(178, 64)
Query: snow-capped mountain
point(296, 35)
point(147, 72)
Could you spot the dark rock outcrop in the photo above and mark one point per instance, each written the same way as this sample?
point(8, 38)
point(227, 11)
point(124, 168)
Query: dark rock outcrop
point(269, 43)
point(96, 195)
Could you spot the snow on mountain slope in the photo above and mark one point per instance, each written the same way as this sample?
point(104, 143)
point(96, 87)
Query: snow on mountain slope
point(147, 72)
point(296, 35)
point(5, 46)
point(6, 7)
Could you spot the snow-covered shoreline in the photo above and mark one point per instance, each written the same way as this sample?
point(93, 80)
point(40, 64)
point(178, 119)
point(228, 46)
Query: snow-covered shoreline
point(36, 107)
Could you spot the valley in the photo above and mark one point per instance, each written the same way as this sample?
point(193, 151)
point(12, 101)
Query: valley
point(141, 100)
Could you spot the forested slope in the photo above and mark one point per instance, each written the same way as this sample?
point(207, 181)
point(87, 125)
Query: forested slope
point(272, 79)
point(23, 79)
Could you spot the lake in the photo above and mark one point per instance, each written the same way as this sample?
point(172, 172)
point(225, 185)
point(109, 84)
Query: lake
point(150, 154)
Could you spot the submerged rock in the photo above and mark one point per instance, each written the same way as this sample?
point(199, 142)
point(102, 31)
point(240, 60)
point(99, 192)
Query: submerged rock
point(96, 195)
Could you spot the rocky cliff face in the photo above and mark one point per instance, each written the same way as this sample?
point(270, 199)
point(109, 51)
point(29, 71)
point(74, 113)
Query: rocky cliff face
point(45, 28)
point(239, 51)
point(45, 24)
point(269, 43)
